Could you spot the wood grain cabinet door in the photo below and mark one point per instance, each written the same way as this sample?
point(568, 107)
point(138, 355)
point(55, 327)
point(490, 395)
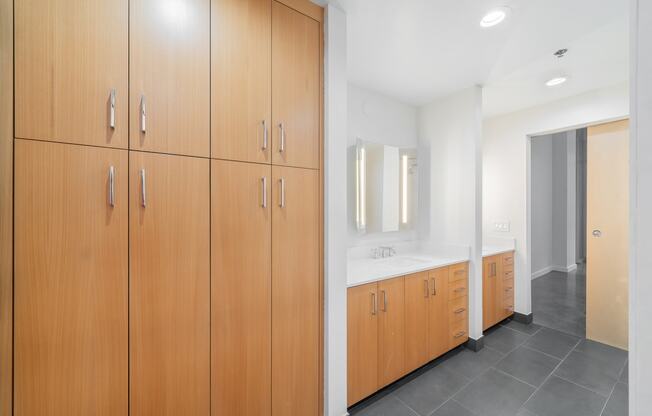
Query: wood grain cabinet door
point(169, 232)
point(241, 84)
point(295, 291)
point(438, 318)
point(362, 333)
point(417, 302)
point(241, 227)
point(71, 282)
point(490, 276)
point(169, 79)
point(71, 71)
point(391, 330)
point(295, 87)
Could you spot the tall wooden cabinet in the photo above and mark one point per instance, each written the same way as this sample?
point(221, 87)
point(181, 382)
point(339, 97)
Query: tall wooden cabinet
point(169, 239)
point(71, 60)
point(168, 208)
point(71, 280)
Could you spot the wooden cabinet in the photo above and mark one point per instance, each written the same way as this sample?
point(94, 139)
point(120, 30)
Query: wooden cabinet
point(71, 71)
point(169, 234)
point(169, 76)
point(241, 88)
point(417, 314)
point(71, 282)
point(241, 288)
point(296, 62)
point(497, 288)
point(396, 326)
point(296, 291)
point(362, 346)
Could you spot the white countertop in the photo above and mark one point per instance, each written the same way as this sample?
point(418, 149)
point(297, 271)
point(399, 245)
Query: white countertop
point(493, 250)
point(368, 270)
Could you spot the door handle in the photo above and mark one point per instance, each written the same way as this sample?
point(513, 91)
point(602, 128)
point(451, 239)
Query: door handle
point(265, 138)
point(112, 109)
point(281, 147)
point(143, 114)
point(282, 184)
point(143, 189)
point(597, 233)
point(112, 186)
point(263, 181)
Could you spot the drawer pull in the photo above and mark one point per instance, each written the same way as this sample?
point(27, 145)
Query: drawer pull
point(459, 272)
point(509, 289)
point(459, 290)
point(460, 334)
point(459, 311)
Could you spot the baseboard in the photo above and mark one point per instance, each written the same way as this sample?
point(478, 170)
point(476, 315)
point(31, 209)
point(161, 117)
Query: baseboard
point(549, 269)
point(522, 318)
point(475, 345)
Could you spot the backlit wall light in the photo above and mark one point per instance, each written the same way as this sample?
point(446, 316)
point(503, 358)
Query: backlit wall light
point(555, 81)
point(494, 17)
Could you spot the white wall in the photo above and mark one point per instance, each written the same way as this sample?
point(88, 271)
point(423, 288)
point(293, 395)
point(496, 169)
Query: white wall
point(640, 343)
point(335, 238)
point(450, 133)
point(506, 172)
point(542, 205)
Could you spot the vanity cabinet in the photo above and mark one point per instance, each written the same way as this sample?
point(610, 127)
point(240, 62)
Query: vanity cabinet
point(397, 325)
point(497, 288)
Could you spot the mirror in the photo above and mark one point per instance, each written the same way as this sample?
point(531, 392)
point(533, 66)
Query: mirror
point(385, 182)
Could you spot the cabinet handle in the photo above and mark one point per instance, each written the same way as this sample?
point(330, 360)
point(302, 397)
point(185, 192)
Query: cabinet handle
point(459, 290)
point(427, 288)
point(282, 183)
point(374, 304)
point(265, 139)
point(493, 269)
point(112, 186)
point(459, 272)
point(143, 189)
point(460, 334)
point(434, 287)
point(143, 114)
point(459, 311)
point(509, 289)
point(281, 147)
point(112, 109)
point(384, 300)
point(263, 181)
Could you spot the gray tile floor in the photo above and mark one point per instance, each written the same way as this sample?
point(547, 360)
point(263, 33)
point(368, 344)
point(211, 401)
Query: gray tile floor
point(523, 370)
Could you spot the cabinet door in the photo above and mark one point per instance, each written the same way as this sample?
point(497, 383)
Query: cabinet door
point(241, 288)
point(417, 301)
point(296, 291)
point(438, 312)
point(70, 56)
point(169, 76)
point(169, 284)
point(391, 330)
point(362, 333)
point(490, 277)
point(71, 264)
point(295, 86)
point(241, 89)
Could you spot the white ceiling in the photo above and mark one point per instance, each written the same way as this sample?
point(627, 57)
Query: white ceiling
point(419, 50)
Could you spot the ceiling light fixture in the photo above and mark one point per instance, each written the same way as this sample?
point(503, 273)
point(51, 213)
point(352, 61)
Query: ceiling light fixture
point(556, 81)
point(494, 17)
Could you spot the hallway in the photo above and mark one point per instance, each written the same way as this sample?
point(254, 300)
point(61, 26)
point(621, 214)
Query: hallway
point(559, 301)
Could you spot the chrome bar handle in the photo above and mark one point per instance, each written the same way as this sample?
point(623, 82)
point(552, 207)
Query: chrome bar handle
point(112, 109)
point(434, 287)
point(426, 286)
point(281, 147)
point(143, 114)
point(374, 304)
point(282, 182)
point(460, 334)
point(263, 181)
point(143, 189)
point(112, 186)
point(265, 136)
point(459, 311)
point(384, 300)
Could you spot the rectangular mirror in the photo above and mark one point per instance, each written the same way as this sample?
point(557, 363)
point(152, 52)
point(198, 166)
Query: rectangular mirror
point(385, 183)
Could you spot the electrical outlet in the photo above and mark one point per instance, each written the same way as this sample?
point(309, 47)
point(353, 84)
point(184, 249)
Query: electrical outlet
point(501, 226)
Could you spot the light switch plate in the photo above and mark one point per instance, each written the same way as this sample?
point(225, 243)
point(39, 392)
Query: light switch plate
point(501, 226)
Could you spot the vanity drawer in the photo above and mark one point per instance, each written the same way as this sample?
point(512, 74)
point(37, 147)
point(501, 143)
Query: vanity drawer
point(459, 333)
point(508, 272)
point(508, 259)
point(457, 289)
point(508, 289)
point(458, 309)
point(458, 272)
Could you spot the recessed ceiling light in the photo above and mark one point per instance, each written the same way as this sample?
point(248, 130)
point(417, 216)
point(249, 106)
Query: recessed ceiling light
point(556, 81)
point(494, 17)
